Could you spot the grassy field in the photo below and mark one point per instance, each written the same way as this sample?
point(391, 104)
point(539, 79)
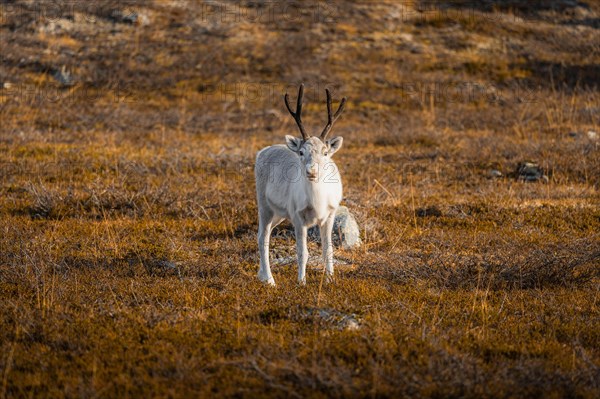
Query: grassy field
point(128, 254)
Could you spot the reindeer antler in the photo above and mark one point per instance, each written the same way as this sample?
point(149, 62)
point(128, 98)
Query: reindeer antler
point(331, 118)
point(298, 114)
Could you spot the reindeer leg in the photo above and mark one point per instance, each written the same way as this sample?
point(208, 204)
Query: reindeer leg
point(327, 245)
point(301, 250)
point(265, 225)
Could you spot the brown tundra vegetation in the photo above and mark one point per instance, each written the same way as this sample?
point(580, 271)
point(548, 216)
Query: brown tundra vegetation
point(128, 217)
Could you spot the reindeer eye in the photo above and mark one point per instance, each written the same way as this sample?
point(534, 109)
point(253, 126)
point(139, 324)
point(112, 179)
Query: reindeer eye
point(301, 153)
point(325, 153)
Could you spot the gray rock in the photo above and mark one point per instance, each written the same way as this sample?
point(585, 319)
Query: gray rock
point(530, 172)
point(429, 211)
point(495, 173)
point(345, 230)
point(333, 318)
point(131, 17)
point(57, 26)
point(64, 77)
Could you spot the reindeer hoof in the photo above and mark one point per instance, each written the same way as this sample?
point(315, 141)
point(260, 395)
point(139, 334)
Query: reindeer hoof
point(269, 280)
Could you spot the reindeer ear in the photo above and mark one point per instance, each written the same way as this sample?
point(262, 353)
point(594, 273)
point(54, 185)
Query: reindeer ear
point(293, 143)
point(334, 144)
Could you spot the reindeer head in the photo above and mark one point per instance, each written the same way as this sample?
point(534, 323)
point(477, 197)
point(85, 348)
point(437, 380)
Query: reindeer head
point(314, 152)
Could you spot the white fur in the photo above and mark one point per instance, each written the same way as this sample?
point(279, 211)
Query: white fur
point(284, 191)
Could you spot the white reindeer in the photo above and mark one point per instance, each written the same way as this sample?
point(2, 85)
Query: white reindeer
point(299, 182)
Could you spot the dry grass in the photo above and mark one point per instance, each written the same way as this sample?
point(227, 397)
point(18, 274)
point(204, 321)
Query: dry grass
point(128, 223)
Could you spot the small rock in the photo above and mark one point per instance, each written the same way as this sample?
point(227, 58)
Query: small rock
point(345, 230)
point(572, 134)
point(415, 49)
point(57, 26)
point(117, 16)
point(530, 172)
point(160, 266)
point(429, 211)
point(143, 20)
point(350, 324)
point(592, 135)
point(333, 318)
point(495, 173)
point(165, 264)
point(130, 17)
point(64, 77)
